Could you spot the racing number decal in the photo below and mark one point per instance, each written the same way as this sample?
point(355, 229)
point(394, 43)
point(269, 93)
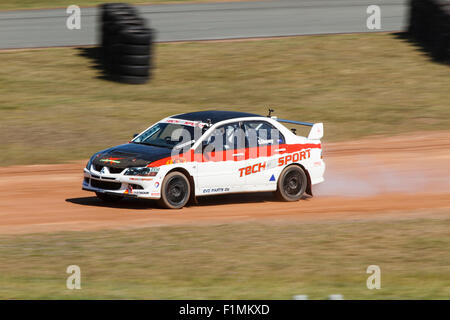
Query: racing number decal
point(258, 167)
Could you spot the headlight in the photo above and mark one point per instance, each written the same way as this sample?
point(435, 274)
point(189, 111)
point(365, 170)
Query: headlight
point(144, 171)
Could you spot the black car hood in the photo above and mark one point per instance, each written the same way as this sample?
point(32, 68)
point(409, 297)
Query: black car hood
point(130, 155)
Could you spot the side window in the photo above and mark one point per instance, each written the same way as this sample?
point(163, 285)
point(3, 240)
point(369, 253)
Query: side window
point(227, 137)
point(261, 134)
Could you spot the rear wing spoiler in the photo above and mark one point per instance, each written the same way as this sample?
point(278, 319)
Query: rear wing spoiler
point(316, 131)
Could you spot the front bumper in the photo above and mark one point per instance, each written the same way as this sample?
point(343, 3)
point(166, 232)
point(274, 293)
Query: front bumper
point(121, 185)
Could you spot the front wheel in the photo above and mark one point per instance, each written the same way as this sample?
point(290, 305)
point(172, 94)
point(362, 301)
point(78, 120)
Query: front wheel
point(292, 184)
point(175, 191)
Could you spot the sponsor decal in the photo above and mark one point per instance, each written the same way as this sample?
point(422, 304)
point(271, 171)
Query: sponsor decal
point(176, 160)
point(129, 190)
point(272, 178)
point(141, 179)
point(297, 156)
point(140, 192)
point(111, 160)
point(155, 194)
point(290, 158)
point(156, 184)
point(214, 190)
point(264, 141)
point(185, 122)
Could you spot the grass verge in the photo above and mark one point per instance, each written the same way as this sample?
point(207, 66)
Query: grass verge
point(55, 106)
point(233, 261)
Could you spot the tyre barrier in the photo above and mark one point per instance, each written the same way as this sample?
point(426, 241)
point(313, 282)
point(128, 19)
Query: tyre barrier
point(429, 26)
point(126, 43)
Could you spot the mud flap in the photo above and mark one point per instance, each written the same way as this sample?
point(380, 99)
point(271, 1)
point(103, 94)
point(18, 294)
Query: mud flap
point(308, 190)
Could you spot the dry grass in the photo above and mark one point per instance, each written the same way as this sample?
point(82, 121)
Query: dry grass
point(234, 261)
point(54, 107)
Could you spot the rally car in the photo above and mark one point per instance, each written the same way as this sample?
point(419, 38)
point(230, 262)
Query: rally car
point(196, 154)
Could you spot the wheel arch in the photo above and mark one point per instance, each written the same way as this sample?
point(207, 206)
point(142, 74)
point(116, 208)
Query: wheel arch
point(308, 178)
point(192, 198)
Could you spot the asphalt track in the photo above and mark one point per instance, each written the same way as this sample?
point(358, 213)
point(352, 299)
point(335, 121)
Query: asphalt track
point(209, 21)
point(387, 178)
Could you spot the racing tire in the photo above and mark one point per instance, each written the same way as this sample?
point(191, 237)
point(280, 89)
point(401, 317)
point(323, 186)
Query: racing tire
point(142, 71)
point(107, 8)
point(136, 35)
point(131, 79)
point(143, 60)
point(108, 197)
point(134, 49)
point(123, 14)
point(114, 28)
point(175, 191)
point(291, 184)
point(131, 21)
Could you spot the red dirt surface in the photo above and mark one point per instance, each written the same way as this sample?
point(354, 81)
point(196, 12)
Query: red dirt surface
point(377, 178)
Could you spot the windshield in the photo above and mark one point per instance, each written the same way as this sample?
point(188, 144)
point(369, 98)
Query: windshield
point(167, 135)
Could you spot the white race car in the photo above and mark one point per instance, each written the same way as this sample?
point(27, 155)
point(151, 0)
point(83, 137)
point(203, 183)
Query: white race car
point(207, 153)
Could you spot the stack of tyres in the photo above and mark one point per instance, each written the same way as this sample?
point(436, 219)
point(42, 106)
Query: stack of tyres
point(113, 14)
point(134, 60)
point(445, 18)
point(126, 43)
point(429, 25)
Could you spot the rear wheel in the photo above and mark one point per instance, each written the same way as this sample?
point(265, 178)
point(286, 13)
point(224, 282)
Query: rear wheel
point(175, 191)
point(292, 184)
point(108, 197)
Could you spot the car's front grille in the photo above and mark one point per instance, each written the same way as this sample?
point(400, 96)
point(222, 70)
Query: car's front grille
point(106, 185)
point(115, 170)
point(111, 169)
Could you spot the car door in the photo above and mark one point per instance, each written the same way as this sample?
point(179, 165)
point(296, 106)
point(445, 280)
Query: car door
point(223, 153)
point(264, 145)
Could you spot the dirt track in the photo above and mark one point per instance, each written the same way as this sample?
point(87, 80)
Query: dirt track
point(377, 178)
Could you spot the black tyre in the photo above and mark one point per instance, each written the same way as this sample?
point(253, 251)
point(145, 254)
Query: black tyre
point(136, 35)
point(131, 79)
point(114, 6)
point(292, 184)
point(175, 191)
point(111, 55)
point(143, 60)
point(122, 14)
point(132, 21)
point(114, 28)
point(108, 197)
point(133, 49)
point(107, 8)
point(109, 15)
point(143, 71)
